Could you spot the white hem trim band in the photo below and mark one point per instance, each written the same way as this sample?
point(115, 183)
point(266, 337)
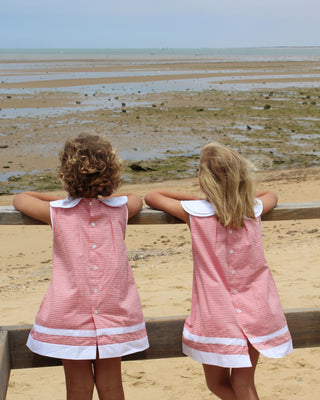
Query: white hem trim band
point(86, 352)
point(221, 360)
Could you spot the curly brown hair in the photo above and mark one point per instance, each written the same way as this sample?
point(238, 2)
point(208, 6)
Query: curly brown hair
point(89, 167)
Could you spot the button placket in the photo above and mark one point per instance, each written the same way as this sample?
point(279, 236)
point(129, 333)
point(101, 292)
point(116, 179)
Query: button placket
point(93, 245)
point(233, 271)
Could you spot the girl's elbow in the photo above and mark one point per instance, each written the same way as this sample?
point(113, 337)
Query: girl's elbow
point(148, 198)
point(17, 200)
point(275, 198)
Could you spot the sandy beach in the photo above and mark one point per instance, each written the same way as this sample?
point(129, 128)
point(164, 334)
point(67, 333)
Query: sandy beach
point(166, 126)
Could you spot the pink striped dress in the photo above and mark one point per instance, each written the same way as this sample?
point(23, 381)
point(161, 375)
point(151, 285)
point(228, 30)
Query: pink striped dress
point(92, 301)
point(234, 297)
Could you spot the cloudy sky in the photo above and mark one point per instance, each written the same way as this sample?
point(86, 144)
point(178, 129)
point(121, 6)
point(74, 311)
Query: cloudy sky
point(158, 24)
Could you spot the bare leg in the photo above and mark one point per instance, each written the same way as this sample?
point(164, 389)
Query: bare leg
point(242, 379)
point(79, 379)
point(108, 378)
point(219, 382)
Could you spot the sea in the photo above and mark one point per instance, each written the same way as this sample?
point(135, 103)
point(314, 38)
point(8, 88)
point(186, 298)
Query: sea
point(216, 54)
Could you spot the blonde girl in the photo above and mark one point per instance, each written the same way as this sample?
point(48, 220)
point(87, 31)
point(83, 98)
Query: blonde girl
point(91, 314)
point(236, 312)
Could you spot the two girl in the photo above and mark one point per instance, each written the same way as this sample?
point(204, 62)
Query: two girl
point(236, 312)
point(91, 314)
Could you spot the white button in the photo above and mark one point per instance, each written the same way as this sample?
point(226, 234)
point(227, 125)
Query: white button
point(95, 267)
point(230, 230)
point(90, 203)
point(94, 246)
point(238, 311)
point(231, 251)
point(93, 224)
point(235, 291)
point(95, 290)
point(233, 272)
point(96, 311)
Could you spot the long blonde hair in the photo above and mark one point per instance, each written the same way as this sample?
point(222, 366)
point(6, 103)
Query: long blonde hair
point(226, 179)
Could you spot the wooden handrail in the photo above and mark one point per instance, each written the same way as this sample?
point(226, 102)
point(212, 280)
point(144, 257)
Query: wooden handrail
point(164, 333)
point(148, 216)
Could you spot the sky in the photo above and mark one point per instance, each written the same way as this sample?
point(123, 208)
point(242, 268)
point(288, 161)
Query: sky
point(158, 24)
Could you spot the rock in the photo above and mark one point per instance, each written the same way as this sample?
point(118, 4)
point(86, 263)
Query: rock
point(138, 167)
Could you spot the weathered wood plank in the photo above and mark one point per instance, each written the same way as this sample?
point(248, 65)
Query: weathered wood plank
point(165, 338)
point(4, 364)
point(293, 211)
point(10, 216)
point(148, 216)
point(304, 326)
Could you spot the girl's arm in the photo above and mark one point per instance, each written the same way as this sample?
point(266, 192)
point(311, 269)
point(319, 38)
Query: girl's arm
point(169, 202)
point(134, 203)
point(269, 200)
point(35, 205)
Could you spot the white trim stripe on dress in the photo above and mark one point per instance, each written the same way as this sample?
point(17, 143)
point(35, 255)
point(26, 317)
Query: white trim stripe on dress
point(89, 332)
point(221, 360)
point(260, 339)
point(232, 341)
point(278, 351)
point(213, 340)
point(86, 352)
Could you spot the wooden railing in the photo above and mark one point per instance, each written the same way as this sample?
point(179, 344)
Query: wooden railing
point(165, 332)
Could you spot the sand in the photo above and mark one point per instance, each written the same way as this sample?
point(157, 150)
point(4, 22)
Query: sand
point(161, 260)
point(162, 264)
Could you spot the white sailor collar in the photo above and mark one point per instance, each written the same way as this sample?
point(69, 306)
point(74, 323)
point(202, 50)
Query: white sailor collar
point(202, 208)
point(70, 202)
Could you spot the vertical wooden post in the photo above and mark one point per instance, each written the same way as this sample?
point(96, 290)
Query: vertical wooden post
point(4, 364)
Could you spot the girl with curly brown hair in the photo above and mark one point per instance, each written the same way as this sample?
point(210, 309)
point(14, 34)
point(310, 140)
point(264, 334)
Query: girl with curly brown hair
point(91, 314)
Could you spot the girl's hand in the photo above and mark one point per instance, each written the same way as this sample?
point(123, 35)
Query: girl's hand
point(169, 202)
point(269, 200)
point(35, 205)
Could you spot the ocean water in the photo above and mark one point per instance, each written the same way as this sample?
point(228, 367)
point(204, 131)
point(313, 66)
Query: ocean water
point(216, 54)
